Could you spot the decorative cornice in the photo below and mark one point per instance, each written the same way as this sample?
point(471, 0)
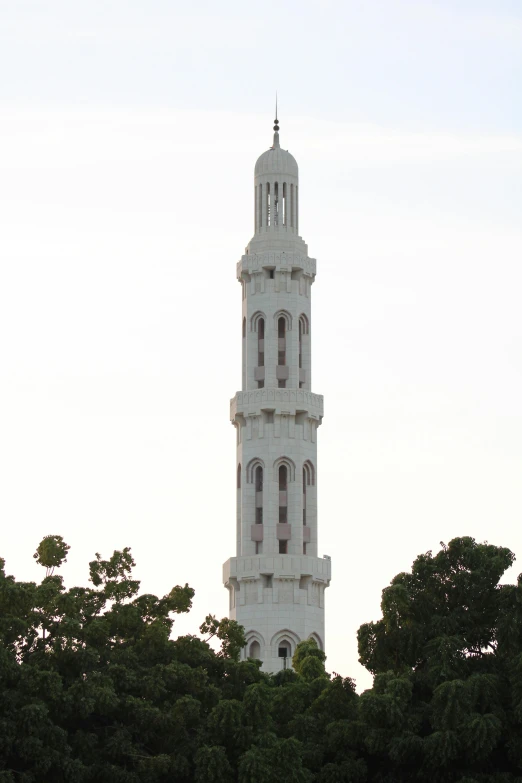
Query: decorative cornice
point(287, 401)
point(254, 263)
point(291, 568)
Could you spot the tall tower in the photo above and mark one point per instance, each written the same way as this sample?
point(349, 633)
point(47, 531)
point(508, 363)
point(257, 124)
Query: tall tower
point(276, 582)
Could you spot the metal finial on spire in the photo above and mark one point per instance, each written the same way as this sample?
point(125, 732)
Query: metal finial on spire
point(276, 121)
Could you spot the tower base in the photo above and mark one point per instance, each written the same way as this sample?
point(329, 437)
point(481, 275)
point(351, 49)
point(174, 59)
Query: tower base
point(279, 599)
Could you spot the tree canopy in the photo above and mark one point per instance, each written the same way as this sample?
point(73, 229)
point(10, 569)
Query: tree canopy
point(94, 688)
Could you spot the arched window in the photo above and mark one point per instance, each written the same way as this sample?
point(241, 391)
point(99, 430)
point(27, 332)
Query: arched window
point(309, 471)
point(255, 650)
point(259, 494)
point(257, 324)
point(276, 203)
point(261, 342)
point(281, 329)
point(285, 208)
point(304, 496)
point(243, 355)
point(283, 644)
point(304, 350)
point(284, 651)
point(292, 206)
point(283, 493)
point(268, 205)
point(300, 350)
point(281, 347)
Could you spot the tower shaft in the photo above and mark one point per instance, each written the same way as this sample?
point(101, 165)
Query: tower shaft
point(276, 581)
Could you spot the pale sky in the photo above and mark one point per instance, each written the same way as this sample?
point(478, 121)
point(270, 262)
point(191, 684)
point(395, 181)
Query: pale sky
point(128, 137)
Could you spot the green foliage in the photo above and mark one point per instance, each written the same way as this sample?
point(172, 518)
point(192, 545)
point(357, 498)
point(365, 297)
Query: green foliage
point(446, 661)
point(51, 553)
point(229, 632)
point(308, 660)
point(94, 689)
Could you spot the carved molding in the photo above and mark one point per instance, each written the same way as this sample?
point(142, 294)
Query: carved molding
point(280, 400)
point(255, 262)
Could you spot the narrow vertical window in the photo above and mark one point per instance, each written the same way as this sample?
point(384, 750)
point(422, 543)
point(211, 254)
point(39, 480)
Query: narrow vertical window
point(301, 384)
point(283, 494)
point(261, 348)
point(304, 496)
point(268, 203)
point(239, 476)
point(283, 547)
point(255, 207)
point(300, 344)
point(284, 204)
point(259, 495)
point(304, 351)
point(243, 352)
point(261, 342)
point(260, 207)
point(276, 204)
point(292, 205)
point(281, 347)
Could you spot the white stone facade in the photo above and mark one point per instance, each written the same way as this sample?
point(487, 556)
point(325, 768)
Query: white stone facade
point(276, 582)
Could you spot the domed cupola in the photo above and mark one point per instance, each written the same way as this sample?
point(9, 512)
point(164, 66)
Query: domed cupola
point(276, 182)
point(276, 160)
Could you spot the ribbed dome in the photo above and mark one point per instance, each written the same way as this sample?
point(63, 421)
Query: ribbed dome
point(276, 161)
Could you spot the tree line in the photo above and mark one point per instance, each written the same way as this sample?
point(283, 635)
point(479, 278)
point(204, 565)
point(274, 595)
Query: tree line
point(94, 689)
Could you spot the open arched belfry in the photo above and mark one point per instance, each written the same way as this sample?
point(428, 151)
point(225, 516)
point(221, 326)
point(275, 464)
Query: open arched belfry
point(276, 581)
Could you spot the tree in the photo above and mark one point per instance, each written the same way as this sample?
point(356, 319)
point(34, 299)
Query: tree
point(446, 701)
point(93, 688)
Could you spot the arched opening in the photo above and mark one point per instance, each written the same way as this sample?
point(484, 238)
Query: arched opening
point(281, 347)
point(276, 203)
point(259, 494)
point(255, 650)
point(283, 494)
point(261, 348)
point(304, 496)
point(284, 651)
point(284, 204)
point(304, 351)
point(268, 204)
point(301, 383)
point(243, 355)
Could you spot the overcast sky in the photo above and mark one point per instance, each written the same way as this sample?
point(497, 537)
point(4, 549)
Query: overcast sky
point(128, 136)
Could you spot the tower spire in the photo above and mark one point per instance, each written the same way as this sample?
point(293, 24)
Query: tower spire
point(276, 128)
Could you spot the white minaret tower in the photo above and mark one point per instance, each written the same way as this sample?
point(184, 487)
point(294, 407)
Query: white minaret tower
point(276, 581)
